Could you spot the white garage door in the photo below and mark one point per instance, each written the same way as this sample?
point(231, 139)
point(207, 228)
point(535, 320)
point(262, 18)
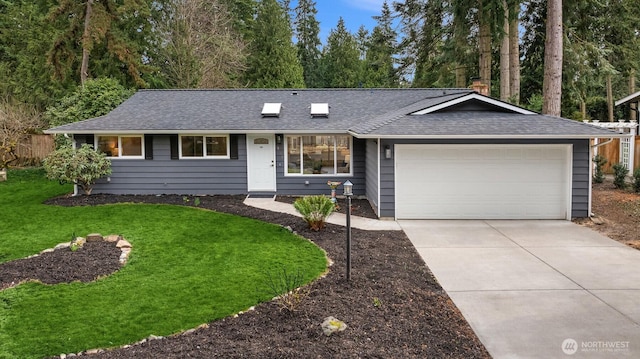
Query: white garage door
point(483, 181)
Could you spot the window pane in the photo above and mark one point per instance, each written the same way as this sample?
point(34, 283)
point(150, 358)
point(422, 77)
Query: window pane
point(216, 146)
point(131, 146)
point(108, 145)
point(344, 154)
point(293, 155)
point(318, 154)
point(192, 146)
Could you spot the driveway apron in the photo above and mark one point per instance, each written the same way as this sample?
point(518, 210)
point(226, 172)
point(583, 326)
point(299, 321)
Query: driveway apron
point(537, 289)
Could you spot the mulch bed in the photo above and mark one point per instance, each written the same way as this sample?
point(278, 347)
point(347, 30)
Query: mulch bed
point(393, 306)
point(359, 207)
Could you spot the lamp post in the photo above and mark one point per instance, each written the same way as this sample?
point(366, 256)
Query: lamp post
point(348, 192)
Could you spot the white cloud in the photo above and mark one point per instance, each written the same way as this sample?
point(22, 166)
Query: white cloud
point(368, 5)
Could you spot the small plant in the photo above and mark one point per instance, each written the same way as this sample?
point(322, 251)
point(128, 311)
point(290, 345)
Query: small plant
point(636, 180)
point(186, 200)
point(599, 161)
point(314, 210)
point(288, 288)
point(377, 302)
point(619, 173)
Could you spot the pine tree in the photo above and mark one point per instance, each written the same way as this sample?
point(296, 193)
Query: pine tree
point(380, 61)
point(98, 27)
point(273, 60)
point(342, 59)
point(308, 42)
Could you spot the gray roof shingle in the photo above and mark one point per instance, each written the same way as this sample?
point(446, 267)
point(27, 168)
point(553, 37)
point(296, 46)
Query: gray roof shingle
point(362, 112)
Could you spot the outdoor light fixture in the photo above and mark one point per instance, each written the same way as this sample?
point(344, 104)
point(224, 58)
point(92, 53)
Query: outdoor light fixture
point(348, 188)
point(348, 192)
point(387, 152)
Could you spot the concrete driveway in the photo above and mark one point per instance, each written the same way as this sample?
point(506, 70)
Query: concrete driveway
point(537, 289)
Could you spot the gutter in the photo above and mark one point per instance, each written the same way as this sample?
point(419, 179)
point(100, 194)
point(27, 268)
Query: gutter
point(603, 143)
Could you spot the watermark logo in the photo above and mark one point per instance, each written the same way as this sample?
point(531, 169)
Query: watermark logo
point(569, 346)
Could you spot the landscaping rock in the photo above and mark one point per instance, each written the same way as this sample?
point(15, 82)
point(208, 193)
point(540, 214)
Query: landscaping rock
point(94, 237)
point(63, 245)
point(112, 238)
point(123, 243)
point(332, 325)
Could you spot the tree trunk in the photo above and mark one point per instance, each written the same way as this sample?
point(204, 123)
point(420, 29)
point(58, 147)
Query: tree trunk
point(86, 40)
point(505, 58)
point(484, 43)
point(461, 76)
point(609, 98)
point(514, 54)
point(633, 114)
point(552, 81)
point(583, 109)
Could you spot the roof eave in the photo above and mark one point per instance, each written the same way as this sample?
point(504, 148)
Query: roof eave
point(487, 137)
point(186, 131)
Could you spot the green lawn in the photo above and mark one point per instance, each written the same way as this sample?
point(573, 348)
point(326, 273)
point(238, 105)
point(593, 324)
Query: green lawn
point(188, 266)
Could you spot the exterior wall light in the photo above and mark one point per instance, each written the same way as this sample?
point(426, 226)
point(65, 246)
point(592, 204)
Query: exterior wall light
point(387, 152)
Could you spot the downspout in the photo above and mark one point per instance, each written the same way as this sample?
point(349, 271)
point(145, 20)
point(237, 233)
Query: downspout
point(73, 145)
point(602, 144)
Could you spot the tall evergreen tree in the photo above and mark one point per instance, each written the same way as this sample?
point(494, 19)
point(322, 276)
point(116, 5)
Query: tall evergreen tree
point(552, 82)
point(308, 42)
point(24, 40)
point(98, 27)
point(273, 60)
point(380, 57)
point(341, 58)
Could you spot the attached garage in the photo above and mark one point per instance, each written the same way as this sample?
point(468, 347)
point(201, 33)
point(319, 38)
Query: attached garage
point(508, 181)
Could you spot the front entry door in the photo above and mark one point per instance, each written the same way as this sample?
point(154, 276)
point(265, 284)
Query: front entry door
point(261, 162)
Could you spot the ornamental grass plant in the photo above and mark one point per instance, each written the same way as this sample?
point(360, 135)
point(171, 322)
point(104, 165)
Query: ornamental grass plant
point(314, 210)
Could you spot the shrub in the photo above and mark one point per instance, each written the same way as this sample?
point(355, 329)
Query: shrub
point(82, 166)
point(636, 180)
point(598, 175)
point(314, 210)
point(288, 288)
point(619, 173)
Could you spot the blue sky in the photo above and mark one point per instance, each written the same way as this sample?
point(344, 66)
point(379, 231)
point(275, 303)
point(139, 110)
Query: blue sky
point(354, 13)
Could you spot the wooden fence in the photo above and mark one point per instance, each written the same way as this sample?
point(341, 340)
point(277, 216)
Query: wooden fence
point(35, 148)
point(611, 152)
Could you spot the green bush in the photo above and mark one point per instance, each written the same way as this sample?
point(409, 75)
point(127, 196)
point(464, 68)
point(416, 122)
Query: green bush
point(314, 210)
point(619, 173)
point(636, 180)
point(82, 166)
point(599, 161)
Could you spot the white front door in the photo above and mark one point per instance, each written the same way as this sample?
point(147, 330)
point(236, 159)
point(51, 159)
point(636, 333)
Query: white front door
point(261, 162)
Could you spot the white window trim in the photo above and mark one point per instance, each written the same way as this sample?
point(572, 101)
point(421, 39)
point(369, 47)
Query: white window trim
point(204, 149)
point(314, 175)
point(120, 155)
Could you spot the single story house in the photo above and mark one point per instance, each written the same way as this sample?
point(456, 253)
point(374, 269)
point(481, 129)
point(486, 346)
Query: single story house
point(413, 153)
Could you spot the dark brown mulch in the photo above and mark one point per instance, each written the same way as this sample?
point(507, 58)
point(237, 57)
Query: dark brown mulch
point(359, 207)
point(393, 306)
point(86, 264)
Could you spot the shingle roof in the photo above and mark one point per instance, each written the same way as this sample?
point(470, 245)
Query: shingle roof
point(362, 112)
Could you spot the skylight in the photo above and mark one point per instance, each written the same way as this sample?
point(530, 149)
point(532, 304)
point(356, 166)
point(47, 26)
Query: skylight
point(271, 109)
point(319, 110)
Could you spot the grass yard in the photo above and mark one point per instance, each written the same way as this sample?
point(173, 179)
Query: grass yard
point(188, 266)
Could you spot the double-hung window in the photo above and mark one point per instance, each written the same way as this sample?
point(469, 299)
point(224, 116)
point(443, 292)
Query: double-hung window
point(318, 155)
point(208, 146)
point(121, 146)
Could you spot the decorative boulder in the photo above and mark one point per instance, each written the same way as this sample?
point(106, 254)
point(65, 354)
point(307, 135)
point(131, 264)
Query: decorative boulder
point(332, 325)
point(94, 237)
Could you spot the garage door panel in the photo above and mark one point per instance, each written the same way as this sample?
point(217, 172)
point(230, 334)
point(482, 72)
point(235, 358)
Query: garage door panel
point(482, 181)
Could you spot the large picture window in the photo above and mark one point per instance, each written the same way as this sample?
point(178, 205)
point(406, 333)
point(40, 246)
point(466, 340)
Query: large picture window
point(204, 146)
point(121, 146)
point(318, 155)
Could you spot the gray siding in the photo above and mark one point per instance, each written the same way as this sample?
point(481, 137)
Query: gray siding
point(371, 165)
point(162, 175)
point(310, 185)
point(580, 172)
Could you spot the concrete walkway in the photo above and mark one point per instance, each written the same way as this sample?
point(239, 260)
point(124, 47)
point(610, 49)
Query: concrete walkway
point(537, 289)
point(335, 218)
